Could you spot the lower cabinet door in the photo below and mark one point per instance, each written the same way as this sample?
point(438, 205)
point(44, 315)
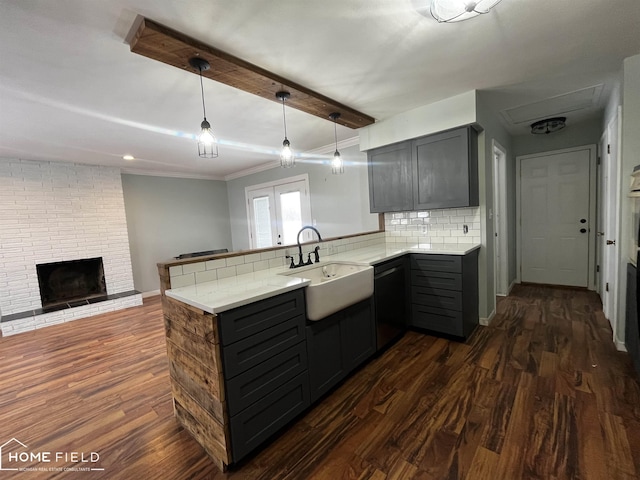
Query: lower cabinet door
point(324, 348)
point(261, 420)
point(438, 320)
point(249, 387)
point(358, 334)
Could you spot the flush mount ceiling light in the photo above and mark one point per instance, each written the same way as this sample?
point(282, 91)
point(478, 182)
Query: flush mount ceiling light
point(337, 165)
point(207, 143)
point(287, 158)
point(448, 11)
point(548, 125)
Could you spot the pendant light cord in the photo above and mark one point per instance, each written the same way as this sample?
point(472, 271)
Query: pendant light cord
point(284, 119)
point(204, 111)
point(335, 132)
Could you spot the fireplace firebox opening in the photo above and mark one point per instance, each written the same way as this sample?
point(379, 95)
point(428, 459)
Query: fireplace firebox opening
point(72, 283)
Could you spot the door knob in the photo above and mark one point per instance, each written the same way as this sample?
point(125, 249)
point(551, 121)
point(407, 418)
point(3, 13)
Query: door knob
point(583, 230)
point(583, 220)
point(611, 242)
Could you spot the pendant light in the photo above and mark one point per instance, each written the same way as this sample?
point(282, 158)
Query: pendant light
point(207, 143)
point(337, 165)
point(447, 11)
point(287, 157)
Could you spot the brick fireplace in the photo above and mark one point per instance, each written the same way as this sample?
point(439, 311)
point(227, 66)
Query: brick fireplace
point(54, 212)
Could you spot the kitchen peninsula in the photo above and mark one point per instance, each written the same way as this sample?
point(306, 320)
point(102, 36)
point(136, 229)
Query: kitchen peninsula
point(240, 347)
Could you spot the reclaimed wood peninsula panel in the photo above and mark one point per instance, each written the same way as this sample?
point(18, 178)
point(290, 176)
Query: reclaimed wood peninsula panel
point(197, 382)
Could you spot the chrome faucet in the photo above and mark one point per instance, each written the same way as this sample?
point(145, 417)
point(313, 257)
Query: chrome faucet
point(300, 260)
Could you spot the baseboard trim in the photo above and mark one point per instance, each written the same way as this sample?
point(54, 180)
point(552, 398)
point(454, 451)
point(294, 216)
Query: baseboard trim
point(487, 321)
point(152, 293)
point(620, 346)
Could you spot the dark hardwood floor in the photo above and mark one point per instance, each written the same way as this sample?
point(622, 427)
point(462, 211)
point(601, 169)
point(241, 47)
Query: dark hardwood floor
point(541, 393)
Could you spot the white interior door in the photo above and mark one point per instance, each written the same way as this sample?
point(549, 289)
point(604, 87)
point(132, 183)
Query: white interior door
point(555, 218)
point(611, 200)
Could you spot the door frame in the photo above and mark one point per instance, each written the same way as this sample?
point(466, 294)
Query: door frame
point(499, 157)
point(591, 277)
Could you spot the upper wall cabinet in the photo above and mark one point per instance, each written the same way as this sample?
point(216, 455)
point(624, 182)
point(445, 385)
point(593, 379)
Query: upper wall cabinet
point(390, 178)
point(443, 172)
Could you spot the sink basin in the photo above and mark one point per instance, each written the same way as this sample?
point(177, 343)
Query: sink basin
point(334, 286)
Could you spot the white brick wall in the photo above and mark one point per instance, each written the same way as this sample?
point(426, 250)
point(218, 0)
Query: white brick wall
point(200, 272)
point(434, 226)
point(51, 212)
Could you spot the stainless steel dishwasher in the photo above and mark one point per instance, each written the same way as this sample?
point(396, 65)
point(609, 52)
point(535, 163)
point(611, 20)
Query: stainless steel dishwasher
point(390, 301)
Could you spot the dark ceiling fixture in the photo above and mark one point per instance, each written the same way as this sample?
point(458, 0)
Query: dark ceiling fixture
point(337, 165)
point(207, 143)
point(548, 125)
point(165, 45)
point(287, 158)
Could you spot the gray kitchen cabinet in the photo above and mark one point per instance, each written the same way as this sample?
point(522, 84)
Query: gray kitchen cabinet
point(264, 357)
point(445, 170)
point(390, 178)
point(336, 345)
point(430, 172)
point(444, 293)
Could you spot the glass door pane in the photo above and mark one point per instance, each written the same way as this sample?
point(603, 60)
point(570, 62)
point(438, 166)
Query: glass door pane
point(262, 222)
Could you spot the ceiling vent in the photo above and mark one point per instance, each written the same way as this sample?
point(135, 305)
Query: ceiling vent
point(559, 105)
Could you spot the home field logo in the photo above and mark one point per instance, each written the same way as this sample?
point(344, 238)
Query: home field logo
point(16, 456)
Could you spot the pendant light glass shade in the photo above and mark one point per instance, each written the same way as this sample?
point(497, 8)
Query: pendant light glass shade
point(446, 11)
point(207, 143)
point(337, 165)
point(287, 157)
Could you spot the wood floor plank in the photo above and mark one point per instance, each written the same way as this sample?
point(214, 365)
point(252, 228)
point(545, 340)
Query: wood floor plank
point(541, 393)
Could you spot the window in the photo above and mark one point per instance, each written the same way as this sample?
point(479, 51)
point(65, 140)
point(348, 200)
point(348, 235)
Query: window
point(277, 211)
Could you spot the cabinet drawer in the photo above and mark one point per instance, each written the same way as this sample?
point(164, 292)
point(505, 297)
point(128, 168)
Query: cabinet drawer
point(250, 386)
point(433, 297)
point(241, 322)
point(438, 263)
point(264, 418)
point(437, 319)
point(249, 352)
point(442, 280)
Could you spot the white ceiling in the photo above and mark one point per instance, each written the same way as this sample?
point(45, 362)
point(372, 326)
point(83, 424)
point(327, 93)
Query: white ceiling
point(70, 89)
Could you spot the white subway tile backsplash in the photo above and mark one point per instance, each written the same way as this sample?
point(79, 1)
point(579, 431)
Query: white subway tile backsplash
point(206, 276)
point(193, 267)
point(433, 226)
point(213, 264)
point(231, 261)
point(224, 272)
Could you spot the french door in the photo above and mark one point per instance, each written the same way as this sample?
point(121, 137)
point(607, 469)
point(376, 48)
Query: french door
point(277, 211)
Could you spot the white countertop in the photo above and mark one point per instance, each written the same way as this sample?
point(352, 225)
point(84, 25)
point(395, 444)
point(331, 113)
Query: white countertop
point(220, 295)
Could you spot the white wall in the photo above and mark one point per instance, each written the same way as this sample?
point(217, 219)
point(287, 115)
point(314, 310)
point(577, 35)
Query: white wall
point(170, 216)
point(52, 212)
point(434, 117)
point(573, 135)
point(339, 203)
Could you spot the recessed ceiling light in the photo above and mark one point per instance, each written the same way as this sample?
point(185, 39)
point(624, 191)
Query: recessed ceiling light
point(128, 157)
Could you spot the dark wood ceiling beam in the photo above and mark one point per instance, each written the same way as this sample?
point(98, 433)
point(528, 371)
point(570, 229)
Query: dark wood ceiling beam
point(174, 48)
